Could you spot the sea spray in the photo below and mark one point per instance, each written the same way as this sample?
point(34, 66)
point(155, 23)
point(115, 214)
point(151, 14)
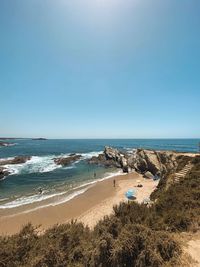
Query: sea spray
point(42, 164)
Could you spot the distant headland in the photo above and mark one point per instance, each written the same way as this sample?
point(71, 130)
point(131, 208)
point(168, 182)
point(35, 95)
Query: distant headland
point(41, 138)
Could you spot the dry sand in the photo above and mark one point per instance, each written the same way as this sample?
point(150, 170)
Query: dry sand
point(192, 247)
point(194, 251)
point(88, 207)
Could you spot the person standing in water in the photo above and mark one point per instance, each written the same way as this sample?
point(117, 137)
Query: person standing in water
point(40, 190)
point(114, 182)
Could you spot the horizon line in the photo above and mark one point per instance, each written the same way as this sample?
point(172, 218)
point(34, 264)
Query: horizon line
point(100, 138)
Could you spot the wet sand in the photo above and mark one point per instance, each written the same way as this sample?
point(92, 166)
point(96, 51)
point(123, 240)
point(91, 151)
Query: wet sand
point(88, 207)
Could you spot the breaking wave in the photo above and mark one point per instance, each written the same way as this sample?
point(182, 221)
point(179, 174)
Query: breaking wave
point(34, 165)
point(42, 164)
point(27, 200)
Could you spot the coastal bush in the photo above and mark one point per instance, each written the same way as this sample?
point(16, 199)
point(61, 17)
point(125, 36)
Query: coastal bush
point(140, 246)
point(182, 160)
point(110, 244)
point(179, 206)
point(161, 187)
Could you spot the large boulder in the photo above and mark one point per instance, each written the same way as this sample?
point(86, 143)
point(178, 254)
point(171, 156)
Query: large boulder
point(65, 161)
point(147, 160)
point(124, 164)
point(111, 153)
point(102, 160)
point(111, 158)
point(117, 156)
point(156, 162)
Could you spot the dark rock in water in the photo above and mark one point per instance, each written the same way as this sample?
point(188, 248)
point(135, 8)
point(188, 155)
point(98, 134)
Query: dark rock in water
point(67, 160)
point(3, 173)
point(16, 160)
point(6, 144)
point(42, 139)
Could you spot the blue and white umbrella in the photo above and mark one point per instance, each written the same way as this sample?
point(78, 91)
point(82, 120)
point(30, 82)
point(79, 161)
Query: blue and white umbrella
point(130, 194)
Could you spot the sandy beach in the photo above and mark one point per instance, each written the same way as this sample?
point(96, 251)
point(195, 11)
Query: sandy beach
point(88, 207)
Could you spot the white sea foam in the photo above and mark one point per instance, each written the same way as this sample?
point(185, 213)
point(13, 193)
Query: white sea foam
point(34, 165)
point(61, 201)
point(28, 200)
point(43, 164)
point(9, 144)
point(91, 154)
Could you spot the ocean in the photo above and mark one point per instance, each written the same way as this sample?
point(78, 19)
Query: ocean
point(60, 184)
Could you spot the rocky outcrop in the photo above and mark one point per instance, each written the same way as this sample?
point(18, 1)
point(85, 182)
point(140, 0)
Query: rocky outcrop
point(65, 161)
point(119, 158)
point(102, 160)
point(6, 144)
point(39, 139)
point(156, 162)
point(3, 173)
point(149, 162)
point(111, 158)
point(16, 160)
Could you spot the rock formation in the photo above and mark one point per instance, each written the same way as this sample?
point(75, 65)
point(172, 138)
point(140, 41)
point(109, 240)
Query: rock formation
point(156, 162)
point(39, 139)
point(16, 160)
point(149, 162)
point(65, 161)
point(6, 144)
point(111, 158)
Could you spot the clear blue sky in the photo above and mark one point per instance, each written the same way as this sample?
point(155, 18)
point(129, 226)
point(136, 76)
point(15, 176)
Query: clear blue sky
point(100, 68)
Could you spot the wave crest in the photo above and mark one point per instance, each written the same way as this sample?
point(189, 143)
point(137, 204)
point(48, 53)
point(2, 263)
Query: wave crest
point(42, 164)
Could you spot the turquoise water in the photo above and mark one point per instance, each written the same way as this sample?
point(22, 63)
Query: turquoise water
point(22, 187)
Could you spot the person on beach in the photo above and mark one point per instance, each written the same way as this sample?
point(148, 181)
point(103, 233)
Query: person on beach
point(40, 190)
point(114, 182)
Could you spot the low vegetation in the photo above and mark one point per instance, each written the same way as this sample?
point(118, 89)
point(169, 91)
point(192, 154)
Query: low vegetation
point(135, 235)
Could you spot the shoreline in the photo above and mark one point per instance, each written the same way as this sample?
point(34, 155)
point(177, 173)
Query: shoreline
point(46, 200)
point(89, 207)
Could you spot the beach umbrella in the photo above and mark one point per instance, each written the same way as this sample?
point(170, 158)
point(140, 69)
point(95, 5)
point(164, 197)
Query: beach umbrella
point(130, 194)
